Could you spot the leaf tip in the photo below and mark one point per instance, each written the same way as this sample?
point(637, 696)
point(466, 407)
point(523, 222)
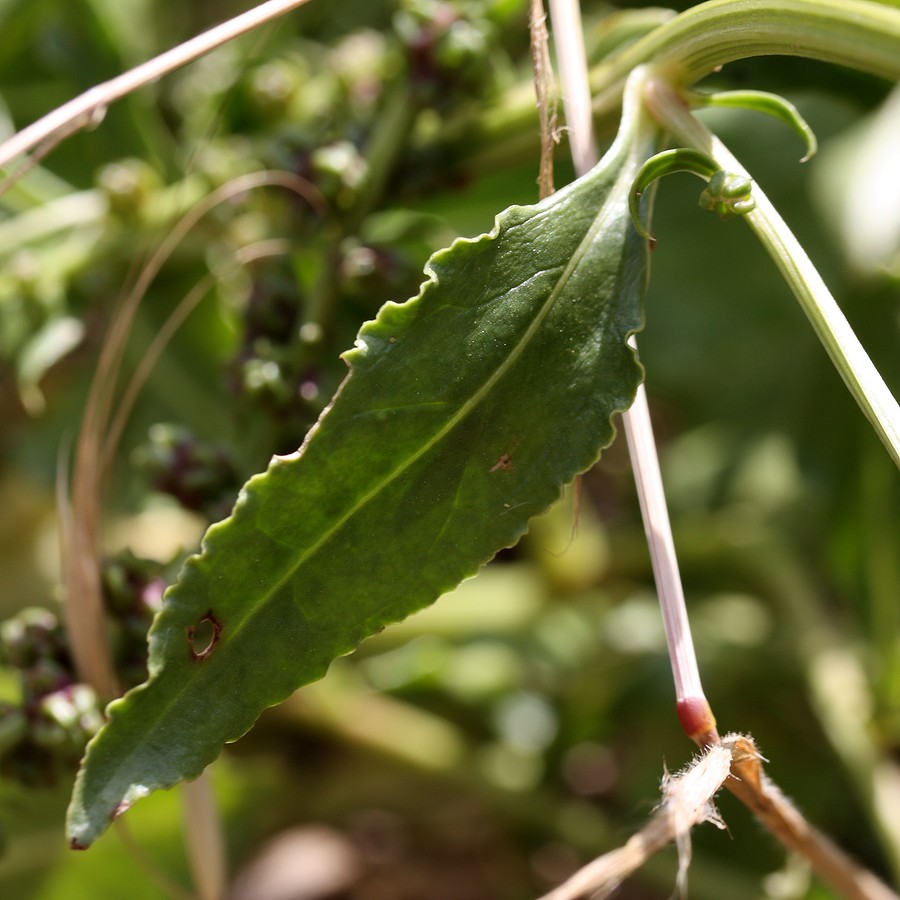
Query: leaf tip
point(812, 148)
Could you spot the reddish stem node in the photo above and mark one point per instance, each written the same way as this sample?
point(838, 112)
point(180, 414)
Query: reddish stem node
point(697, 720)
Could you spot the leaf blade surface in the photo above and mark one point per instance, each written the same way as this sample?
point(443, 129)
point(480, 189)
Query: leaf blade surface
point(466, 410)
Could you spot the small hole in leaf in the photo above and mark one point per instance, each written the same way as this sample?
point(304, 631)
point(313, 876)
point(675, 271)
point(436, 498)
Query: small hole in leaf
point(204, 636)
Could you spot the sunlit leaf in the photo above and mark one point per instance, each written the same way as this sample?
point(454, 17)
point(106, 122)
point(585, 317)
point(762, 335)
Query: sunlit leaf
point(465, 412)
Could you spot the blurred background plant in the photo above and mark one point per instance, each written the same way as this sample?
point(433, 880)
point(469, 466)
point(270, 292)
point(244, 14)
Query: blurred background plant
point(491, 744)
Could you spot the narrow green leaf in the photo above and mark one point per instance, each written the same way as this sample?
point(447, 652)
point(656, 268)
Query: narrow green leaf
point(466, 410)
point(769, 104)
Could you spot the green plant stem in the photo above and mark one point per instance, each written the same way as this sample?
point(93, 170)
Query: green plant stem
point(387, 140)
point(856, 33)
point(76, 210)
point(848, 355)
point(768, 104)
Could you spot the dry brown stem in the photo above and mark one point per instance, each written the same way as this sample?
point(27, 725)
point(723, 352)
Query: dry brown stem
point(688, 800)
point(783, 820)
point(546, 94)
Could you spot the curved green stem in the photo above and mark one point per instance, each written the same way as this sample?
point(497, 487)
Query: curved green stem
point(727, 194)
point(846, 352)
point(666, 163)
point(855, 33)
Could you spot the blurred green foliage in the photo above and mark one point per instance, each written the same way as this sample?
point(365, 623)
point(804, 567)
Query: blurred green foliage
point(489, 745)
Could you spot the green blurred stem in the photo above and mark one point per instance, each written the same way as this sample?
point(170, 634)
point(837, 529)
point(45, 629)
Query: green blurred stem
point(837, 684)
point(76, 210)
point(83, 209)
point(851, 360)
point(388, 138)
point(879, 519)
point(13, 729)
point(40, 187)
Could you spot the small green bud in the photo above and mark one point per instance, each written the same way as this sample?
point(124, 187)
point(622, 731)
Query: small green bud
point(131, 585)
point(264, 378)
point(274, 86)
point(128, 185)
point(728, 195)
point(461, 45)
point(338, 170)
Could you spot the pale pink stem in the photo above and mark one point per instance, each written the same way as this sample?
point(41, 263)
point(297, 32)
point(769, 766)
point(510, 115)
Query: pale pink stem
point(693, 710)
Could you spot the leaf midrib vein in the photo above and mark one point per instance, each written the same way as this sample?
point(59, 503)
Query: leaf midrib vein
point(609, 204)
point(468, 406)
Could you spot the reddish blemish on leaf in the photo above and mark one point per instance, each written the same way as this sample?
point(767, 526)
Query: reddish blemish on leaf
point(504, 463)
point(204, 636)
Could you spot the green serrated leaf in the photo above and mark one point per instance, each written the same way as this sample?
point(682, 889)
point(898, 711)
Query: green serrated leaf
point(466, 410)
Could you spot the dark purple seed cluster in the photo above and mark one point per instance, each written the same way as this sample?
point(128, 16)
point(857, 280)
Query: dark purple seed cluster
point(49, 726)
